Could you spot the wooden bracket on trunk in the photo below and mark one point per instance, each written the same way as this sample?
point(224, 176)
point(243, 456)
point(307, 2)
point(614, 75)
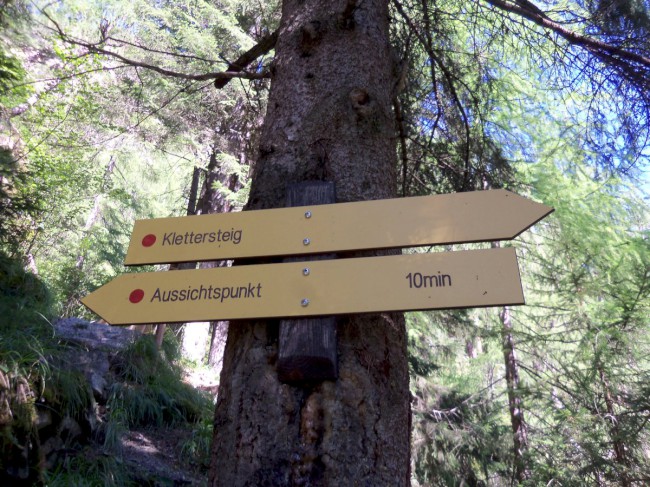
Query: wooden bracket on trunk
point(307, 347)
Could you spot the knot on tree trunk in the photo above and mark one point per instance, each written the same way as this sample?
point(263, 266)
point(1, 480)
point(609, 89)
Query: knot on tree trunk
point(346, 18)
point(311, 35)
point(361, 102)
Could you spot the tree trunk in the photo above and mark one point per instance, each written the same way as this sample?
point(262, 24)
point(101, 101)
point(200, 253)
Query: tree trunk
point(218, 336)
point(96, 211)
point(329, 118)
point(191, 210)
point(519, 427)
point(617, 437)
point(214, 201)
point(72, 300)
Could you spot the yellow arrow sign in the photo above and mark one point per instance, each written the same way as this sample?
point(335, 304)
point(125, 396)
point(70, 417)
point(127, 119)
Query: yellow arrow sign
point(391, 283)
point(405, 222)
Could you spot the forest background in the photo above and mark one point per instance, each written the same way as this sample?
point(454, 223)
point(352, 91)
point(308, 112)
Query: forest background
point(112, 111)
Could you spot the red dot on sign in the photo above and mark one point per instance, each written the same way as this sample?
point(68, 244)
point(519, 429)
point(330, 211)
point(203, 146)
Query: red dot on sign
point(136, 296)
point(149, 240)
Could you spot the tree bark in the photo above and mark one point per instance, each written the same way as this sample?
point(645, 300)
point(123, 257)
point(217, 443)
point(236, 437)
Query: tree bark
point(519, 427)
point(329, 118)
point(617, 438)
point(191, 210)
point(214, 201)
point(95, 213)
point(218, 336)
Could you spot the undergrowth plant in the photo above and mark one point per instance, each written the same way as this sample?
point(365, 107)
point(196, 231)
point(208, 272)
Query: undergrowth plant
point(25, 342)
point(90, 471)
point(196, 449)
point(148, 391)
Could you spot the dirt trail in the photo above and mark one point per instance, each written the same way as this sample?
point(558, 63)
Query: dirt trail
point(154, 458)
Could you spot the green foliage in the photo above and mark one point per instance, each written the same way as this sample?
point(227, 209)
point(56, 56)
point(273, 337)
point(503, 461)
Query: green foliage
point(67, 212)
point(449, 97)
point(196, 449)
point(90, 470)
point(68, 391)
point(25, 306)
point(23, 296)
point(580, 345)
point(25, 342)
point(594, 273)
point(151, 392)
point(617, 18)
point(460, 423)
point(421, 345)
point(12, 75)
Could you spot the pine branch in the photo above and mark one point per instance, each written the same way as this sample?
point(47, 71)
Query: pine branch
point(221, 78)
point(158, 51)
point(606, 52)
point(260, 49)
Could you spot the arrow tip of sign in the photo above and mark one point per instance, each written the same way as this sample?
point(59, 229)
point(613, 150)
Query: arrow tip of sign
point(92, 304)
point(531, 212)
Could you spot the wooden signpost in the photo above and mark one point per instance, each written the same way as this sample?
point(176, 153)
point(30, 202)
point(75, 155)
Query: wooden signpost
point(307, 348)
point(480, 216)
point(321, 288)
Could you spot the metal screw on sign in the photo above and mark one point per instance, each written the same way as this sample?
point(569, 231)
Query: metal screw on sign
point(305, 271)
point(306, 241)
point(304, 302)
point(308, 214)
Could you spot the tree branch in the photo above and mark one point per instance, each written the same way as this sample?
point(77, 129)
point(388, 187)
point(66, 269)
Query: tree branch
point(426, 42)
point(529, 11)
point(265, 44)
point(217, 76)
point(221, 78)
point(158, 51)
